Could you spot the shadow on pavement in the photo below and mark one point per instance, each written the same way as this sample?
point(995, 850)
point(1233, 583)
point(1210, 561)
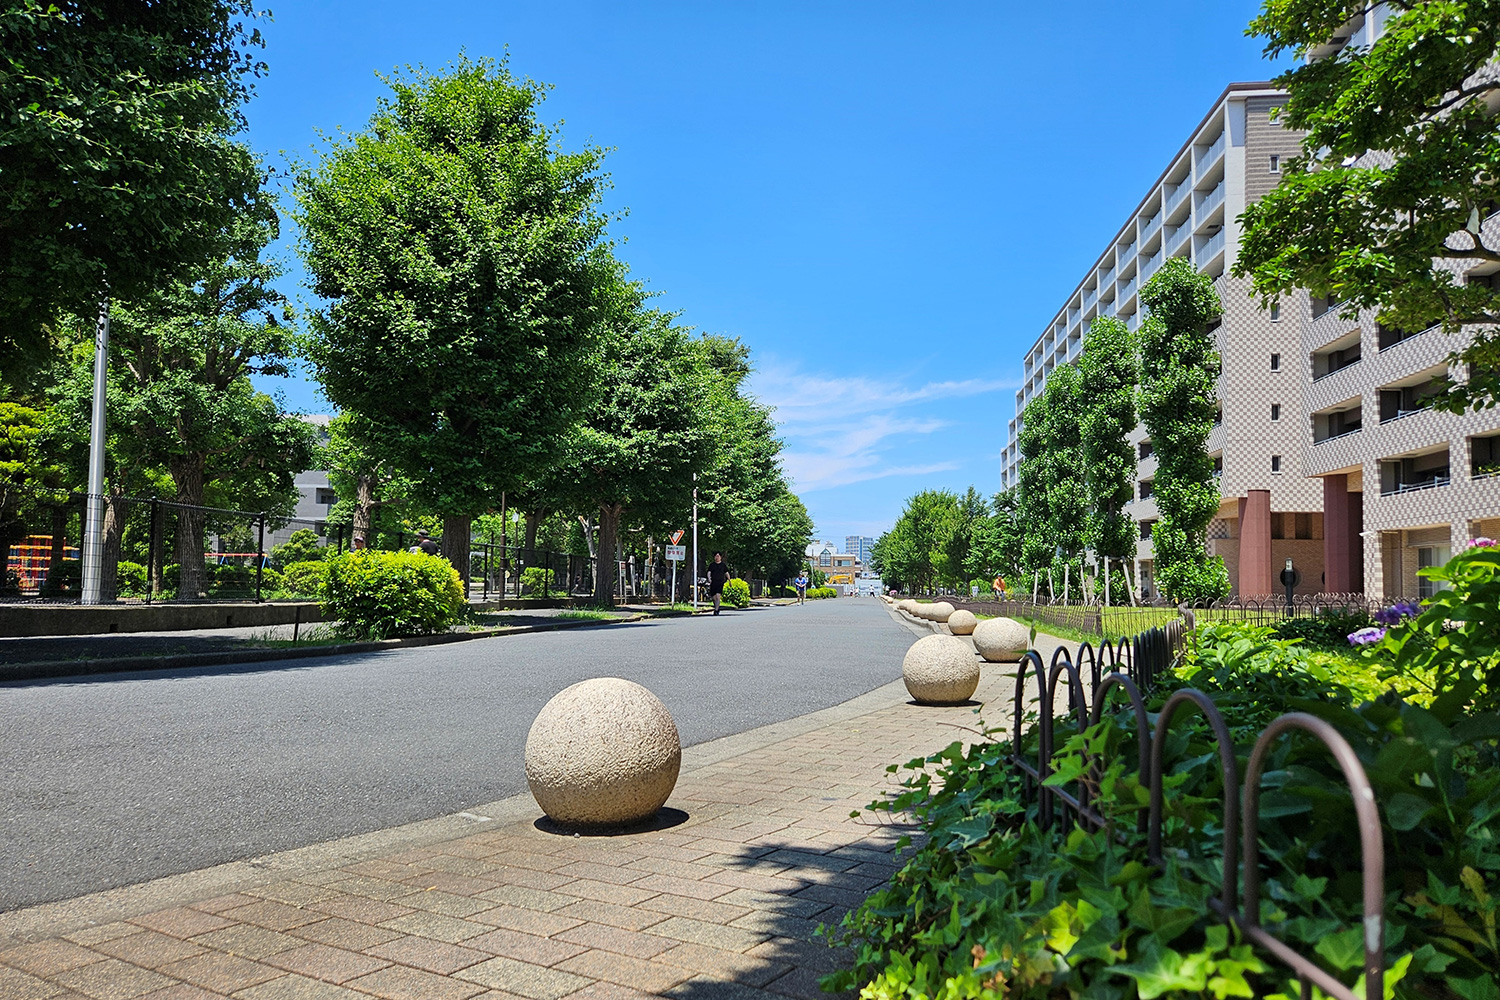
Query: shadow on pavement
point(665, 819)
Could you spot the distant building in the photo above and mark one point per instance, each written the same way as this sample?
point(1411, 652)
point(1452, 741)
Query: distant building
point(859, 547)
point(315, 495)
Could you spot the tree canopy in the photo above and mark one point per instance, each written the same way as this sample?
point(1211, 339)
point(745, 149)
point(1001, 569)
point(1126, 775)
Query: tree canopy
point(115, 151)
point(464, 262)
point(1391, 205)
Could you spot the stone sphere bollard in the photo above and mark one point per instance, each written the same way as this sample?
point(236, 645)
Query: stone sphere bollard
point(940, 670)
point(603, 752)
point(962, 622)
point(905, 604)
point(939, 612)
point(1001, 640)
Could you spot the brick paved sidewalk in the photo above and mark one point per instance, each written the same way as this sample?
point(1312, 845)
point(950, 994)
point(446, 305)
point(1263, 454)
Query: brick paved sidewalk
point(719, 902)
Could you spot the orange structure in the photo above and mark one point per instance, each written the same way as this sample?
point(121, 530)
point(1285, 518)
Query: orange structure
point(32, 559)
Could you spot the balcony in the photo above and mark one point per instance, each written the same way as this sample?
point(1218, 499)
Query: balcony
point(1212, 153)
point(1151, 226)
point(1390, 336)
point(1211, 248)
point(1211, 201)
point(1416, 472)
point(1336, 356)
point(1152, 263)
point(1411, 395)
point(1090, 296)
point(1176, 196)
point(1123, 254)
point(1177, 237)
point(1346, 419)
point(1127, 290)
point(1107, 278)
point(1485, 456)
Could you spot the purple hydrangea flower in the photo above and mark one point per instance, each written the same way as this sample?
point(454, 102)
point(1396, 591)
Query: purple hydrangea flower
point(1366, 636)
point(1396, 612)
point(1483, 543)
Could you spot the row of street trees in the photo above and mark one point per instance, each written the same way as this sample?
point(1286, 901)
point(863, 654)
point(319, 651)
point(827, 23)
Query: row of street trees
point(475, 328)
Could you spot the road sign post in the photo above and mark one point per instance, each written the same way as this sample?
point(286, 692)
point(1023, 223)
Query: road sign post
point(675, 555)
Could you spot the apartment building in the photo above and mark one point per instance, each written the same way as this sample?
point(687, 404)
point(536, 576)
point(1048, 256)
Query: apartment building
point(1326, 451)
point(1403, 486)
point(859, 547)
point(1269, 510)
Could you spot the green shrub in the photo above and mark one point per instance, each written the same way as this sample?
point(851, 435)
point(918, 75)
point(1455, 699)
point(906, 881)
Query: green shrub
point(819, 593)
point(736, 593)
point(381, 595)
point(990, 905)
point(302, 546)
point(66, 577)
point(236, 580)
point(305, 578)
point(130, 579)
point(1327, 630)
point(536, 581)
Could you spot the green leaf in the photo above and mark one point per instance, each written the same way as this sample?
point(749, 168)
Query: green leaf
point(1344, 949)
point(1403, 811)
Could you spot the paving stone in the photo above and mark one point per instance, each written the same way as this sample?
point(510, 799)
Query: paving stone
point(681, 886)
point(631, 918)
point(321, 961)
point(802, 983)
point(298, 988)
point(18, 985)
point(148, 949)
point(524, 979)
point(221, 903)
point(702, 932)
point(531, 879)
point(447, 903)
point(600, 873)
point(717, 911)
point(529, 921)
point(373, 888)
point(710, 988)
point(47, 958)
point(447, 882)
point(525, 947)
point(343, 933)
point(616, 939)
point(217, 971)
point(181, 922)
point(607, 892)
point(436, 926)
point(366, 911)
point(401, 983)
point(723, 964)
point(293, 893)
point(110, 979)
point(274, 916)
point(92, 935)
point(433, 956)
point(636, 973)
point(177, 991)
point(248, 941)
point(608, 991)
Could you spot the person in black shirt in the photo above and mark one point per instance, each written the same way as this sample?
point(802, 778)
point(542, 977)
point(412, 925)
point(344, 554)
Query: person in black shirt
point(718, 572)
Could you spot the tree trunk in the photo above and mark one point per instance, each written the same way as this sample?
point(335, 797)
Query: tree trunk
point(364, 505)
point(533, 520)
point(606, 565)
point(187, 475)
point(109, 561)
point(455, 547)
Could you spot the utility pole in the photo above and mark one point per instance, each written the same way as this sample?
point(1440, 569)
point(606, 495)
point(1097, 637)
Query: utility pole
point(93, 532)
point(695, 541)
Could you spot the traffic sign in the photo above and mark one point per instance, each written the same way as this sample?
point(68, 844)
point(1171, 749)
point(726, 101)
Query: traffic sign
point(676, 553)
point(677, 536)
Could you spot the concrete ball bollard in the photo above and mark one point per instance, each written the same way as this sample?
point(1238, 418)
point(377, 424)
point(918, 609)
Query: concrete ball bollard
point(940, 670)
point(962, 622)
point(940, 612)
point(1001, 640)
point(603, 752)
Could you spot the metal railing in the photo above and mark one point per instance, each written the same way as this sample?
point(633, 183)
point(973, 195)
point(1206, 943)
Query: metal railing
point(1211, 154)
point(1211, 247)
point(1151, 226)
point(1151, 655)
point(1210, 201)
point(1176, 195)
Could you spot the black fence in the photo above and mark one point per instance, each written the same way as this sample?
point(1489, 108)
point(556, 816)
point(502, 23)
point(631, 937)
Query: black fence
point(1132, 668)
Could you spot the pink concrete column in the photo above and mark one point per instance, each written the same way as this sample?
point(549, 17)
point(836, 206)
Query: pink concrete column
point(1255, 545)
point(1337, 564)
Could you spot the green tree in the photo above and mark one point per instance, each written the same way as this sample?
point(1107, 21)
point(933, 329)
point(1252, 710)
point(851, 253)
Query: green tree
point(962, 546)
point(1179, 380)
point(1393, 232)
point(362, 477)
point(1032, 506)
point(912, 550)
point(463, 259)
point(1007, 535)
point(645, 433)
point(181, 399)
point(115, 151)
point(1067, 495)
point(1110, 374)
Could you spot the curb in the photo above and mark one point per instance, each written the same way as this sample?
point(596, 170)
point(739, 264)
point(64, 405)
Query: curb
point(54, 669)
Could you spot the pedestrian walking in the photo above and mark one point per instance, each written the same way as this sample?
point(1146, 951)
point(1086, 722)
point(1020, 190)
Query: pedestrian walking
point(801, 583)
point(718, 574)
point(425, 544)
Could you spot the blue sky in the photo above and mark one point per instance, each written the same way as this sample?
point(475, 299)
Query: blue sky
point(886, 201)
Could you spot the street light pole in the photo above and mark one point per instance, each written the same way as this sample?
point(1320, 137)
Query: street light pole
point(695, 541)
point(93, 534)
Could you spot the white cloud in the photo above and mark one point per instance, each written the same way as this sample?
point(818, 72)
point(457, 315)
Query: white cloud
point(841, 430)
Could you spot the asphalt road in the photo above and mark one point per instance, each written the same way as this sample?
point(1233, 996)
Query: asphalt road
point(115, 779)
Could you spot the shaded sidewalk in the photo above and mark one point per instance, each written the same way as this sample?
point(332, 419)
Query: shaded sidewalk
point(720, 899)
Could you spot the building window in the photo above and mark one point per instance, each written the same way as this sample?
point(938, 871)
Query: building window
point(1275, 163)
point(1484, 456)
point(1146, 450)
point(1146, 486)
point(1275, 463)
point(1275, 411)
point(1429, 556)
point(327, 497)
point(1276, 362)
point(1275, 312)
